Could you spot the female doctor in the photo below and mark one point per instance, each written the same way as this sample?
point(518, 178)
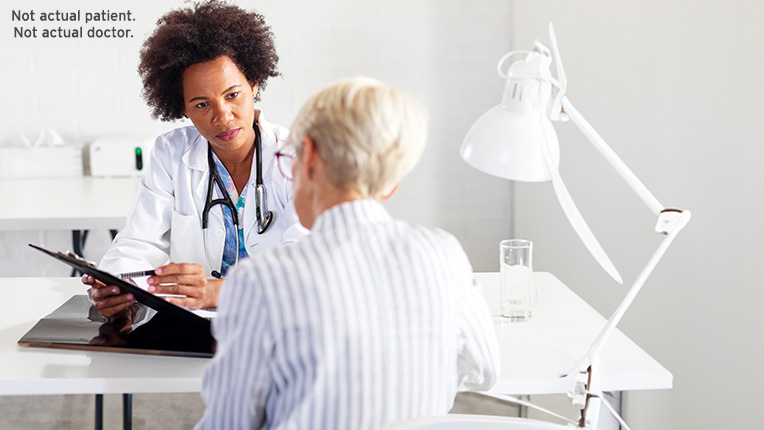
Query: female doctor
point(212, 193)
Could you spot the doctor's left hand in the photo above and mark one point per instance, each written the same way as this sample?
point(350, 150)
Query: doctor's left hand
point(185, 279)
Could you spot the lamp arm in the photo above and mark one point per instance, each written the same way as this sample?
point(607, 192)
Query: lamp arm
point(585, 378)
point(631, 179)
point(556, 110)
point(670, 222)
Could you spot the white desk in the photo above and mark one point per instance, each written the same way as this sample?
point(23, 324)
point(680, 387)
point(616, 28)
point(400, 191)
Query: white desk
point(26, 371)
point(534, 353)
point(66, 203)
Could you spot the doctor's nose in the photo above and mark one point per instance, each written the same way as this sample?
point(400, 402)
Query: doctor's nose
point(222, 115)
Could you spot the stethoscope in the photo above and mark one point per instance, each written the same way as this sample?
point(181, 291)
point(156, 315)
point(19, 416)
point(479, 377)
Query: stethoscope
point(264, 216)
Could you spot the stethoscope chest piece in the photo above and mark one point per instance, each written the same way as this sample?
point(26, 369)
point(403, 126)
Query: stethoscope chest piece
point(264, 216)
point(267, 219)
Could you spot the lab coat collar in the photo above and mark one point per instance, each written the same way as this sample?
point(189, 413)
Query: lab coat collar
point(355, 212)
point(195, 158)
point(266, 129)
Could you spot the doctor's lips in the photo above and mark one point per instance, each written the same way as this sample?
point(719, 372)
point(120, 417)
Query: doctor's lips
point(228, 135)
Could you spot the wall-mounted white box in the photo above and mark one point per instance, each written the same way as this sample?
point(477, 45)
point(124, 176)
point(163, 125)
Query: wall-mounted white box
point(119, 155)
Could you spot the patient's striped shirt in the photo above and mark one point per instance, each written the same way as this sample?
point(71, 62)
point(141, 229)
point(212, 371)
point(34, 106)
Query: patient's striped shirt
point(365, 322)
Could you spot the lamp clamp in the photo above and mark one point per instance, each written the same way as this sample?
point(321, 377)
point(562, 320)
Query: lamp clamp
point(669, 219)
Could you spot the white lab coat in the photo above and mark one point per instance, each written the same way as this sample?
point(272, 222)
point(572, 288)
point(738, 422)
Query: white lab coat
point(165, 222)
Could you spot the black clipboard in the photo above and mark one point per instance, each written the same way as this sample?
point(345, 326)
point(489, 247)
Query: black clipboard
point(77, 325)
point(142, 296)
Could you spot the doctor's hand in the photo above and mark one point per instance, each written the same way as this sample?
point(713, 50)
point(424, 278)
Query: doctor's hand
point(185, 279)
point(107, 298)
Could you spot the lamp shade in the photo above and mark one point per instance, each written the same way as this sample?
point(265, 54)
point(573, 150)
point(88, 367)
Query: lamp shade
point(509, 145)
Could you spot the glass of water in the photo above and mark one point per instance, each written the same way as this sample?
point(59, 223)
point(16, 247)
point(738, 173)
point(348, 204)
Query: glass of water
point(516, 287)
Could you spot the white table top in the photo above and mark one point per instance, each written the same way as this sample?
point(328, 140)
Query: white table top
point(25, 370)
point(66, 203)
point(534, 353)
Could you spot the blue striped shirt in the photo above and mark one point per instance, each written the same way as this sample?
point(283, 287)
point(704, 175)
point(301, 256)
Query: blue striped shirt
point(365, 322)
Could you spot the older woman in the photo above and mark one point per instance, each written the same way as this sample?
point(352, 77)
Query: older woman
point(210, 197)
point(367, 321)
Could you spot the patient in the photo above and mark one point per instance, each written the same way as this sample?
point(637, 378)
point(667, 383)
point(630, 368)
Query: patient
point(369, 320)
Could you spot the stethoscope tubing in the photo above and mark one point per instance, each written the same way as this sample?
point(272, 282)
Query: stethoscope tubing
point(264, 216)
point(225, 198)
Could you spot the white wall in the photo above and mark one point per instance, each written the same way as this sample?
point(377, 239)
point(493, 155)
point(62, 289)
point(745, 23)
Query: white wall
point(442, 51)
point(674, 87)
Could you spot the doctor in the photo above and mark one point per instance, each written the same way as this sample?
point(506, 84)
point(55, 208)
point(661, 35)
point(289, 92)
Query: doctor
point(210, 196)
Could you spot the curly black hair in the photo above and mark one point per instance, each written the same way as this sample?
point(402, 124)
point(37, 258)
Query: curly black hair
point(199, 34)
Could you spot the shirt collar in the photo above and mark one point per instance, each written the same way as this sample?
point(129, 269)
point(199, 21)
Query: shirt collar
point(365, 211)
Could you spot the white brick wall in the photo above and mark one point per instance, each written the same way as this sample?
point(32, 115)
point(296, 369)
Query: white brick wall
point(442, 51)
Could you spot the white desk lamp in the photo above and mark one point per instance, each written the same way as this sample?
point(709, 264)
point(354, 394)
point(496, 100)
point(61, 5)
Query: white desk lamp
point(516, 140)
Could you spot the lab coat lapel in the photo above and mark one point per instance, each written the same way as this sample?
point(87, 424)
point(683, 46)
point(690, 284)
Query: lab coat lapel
point(250, 213)
point(196, 160)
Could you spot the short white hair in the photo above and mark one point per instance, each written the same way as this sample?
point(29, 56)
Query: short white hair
point(368, 135)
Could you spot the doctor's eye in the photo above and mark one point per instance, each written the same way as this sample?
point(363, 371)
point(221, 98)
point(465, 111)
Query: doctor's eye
point(233, 95)
point(201, 105)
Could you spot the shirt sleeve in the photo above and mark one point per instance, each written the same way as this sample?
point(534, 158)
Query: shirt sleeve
point(478, 363)
point(236, 383)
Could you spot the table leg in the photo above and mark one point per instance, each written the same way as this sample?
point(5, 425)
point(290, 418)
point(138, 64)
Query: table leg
point(522, 411)
point(127, 411)
point(607, 421)
point(99, 412)
point(78, 243)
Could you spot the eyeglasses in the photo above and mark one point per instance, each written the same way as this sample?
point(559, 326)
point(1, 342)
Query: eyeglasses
point(284, 161)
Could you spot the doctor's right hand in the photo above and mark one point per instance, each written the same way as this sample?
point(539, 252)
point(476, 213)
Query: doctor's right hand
point(107, 298)
point(188, 283)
